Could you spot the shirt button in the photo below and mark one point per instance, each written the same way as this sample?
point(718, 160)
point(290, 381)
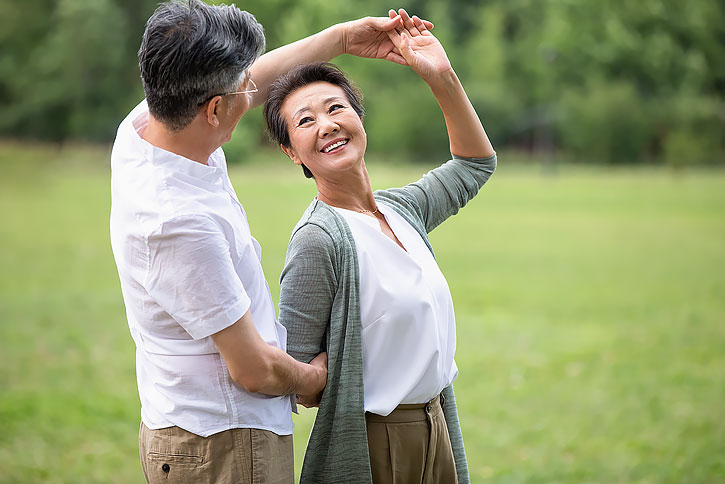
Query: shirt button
point(166, 468)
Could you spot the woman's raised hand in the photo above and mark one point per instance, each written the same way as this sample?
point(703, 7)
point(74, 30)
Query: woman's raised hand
point(425, 54)
point(369, 37)
point(420, 49)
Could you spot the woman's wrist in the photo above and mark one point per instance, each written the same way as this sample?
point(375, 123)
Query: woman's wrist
point(444, 84)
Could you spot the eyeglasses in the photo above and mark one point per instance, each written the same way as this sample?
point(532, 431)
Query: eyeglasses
point(246, 91)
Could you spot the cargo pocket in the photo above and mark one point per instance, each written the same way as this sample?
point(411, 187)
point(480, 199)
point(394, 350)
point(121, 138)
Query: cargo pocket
point(177, 468)
point(172, 454)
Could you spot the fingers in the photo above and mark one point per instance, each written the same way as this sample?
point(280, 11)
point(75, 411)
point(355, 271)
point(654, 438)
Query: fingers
point(428, 25)
point(394, 36)
point(421, 25)
point(397, 58)
point(405, 49)
point(400, 37)
point(417, 22)
point(408, 23)
point(385, 23)
point(320, 360)
point(414, 25)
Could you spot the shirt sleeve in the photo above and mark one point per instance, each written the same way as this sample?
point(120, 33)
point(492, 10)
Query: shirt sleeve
point(191, 275)
point(442, 192)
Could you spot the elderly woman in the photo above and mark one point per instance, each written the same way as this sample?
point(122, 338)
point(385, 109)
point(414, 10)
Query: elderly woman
point(361, 282)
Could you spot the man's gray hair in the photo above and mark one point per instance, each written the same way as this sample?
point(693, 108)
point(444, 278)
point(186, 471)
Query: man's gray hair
point(191, 52)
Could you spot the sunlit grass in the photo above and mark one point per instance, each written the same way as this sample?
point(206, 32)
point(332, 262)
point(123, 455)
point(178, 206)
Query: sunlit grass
point(590, 306)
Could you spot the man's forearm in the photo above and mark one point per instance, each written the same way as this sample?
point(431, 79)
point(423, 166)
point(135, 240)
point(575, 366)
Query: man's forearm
point(261, 368)
point(322, 46)
point(287, 375)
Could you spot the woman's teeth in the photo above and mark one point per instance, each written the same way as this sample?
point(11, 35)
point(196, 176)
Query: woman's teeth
point(333, 146)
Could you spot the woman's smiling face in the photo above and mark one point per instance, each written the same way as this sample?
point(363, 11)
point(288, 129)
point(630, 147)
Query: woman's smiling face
point(325, 132)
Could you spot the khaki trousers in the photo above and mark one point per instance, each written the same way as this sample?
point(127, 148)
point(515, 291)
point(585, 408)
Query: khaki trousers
point(411, 445)
point(173, 455)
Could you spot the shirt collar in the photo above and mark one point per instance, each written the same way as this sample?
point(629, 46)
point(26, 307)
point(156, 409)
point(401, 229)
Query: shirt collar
point(168, 161)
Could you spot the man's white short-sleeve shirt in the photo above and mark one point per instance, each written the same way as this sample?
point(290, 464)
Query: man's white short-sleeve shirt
point(189, 267)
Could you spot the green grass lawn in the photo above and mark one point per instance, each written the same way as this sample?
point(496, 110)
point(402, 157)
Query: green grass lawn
point(590, 305)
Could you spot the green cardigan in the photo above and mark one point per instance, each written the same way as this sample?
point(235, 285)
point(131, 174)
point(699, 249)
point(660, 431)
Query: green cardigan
point(320, 307)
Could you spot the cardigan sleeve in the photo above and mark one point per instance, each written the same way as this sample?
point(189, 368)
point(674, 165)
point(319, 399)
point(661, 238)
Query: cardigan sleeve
point(308, 284)
point(443, 191)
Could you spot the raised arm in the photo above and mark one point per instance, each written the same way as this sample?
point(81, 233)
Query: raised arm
point(426, 56)
point(365, 37)
point(443, 191)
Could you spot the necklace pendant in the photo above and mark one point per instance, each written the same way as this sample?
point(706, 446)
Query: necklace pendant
point(371, 212)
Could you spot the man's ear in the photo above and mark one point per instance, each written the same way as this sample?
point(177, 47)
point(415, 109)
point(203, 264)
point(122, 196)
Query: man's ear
point(211, 111)
point(292, 154)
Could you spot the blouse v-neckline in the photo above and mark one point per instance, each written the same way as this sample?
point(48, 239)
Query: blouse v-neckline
point(396, 241)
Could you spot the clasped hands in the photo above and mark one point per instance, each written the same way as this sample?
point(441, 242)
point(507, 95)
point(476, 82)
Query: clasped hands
point(399, 38)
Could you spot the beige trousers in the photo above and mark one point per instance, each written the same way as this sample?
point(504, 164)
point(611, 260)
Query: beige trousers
point(173, 455)
point(411, 445)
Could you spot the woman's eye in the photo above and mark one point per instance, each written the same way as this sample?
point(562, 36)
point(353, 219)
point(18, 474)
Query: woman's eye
point(304, 120)
point(335, 107)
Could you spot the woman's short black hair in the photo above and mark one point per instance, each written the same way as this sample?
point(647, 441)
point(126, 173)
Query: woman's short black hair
point(296, 78)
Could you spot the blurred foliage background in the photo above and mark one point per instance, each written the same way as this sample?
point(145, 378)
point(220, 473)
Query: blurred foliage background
point(592, 81)
point(590, 298)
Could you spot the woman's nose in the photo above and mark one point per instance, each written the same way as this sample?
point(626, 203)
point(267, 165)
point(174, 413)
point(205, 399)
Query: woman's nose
point(328, 126)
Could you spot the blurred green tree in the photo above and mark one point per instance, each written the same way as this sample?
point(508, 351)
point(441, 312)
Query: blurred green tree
point(607, 81)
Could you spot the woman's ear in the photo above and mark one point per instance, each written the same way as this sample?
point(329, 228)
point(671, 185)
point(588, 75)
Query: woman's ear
point(292, 154)
point(211, 111)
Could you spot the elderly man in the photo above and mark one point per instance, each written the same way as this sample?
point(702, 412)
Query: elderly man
point(214, 380)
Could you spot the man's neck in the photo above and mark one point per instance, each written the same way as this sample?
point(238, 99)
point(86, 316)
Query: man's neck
point(187, 142)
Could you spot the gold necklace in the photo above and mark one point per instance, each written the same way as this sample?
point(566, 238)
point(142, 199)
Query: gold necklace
point(371, 212)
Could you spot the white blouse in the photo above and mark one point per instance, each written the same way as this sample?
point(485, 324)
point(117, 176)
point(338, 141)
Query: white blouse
point(406, 311)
